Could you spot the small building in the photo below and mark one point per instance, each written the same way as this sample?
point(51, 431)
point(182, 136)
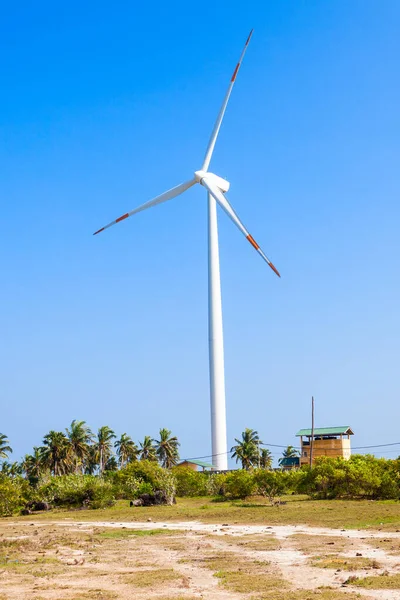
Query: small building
point(327, 441)
point(195, 464)
point(290, 462)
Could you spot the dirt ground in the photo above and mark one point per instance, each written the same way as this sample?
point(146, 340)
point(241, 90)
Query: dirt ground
point(69, 560)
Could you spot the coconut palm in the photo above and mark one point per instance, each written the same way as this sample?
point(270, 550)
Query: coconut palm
point(167, 449)
point(11, 469)
point(265, 458)
point(289, 452)
point(33, 464)
point(91, 462)
point(247, 449)
point(80, 438)
point(55, 452)
point(5, 448)
point(103, 446)
point(147, 450)
point(127, 451)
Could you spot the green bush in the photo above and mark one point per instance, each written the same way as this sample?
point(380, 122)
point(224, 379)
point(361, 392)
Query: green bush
point(77, 491)
point(142, 477)
point(239, 484)
point(190, 482)
point(14, 494)
point(271, 483)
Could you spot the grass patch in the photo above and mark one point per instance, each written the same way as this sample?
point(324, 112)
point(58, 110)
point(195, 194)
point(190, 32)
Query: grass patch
point(311, 544)
point(151, 578)
point(344, 563)
point(379, 582)
point(245, 583)
point(94, 595)
point(252, 542)
point(352, 514)
point(319, 594)
point(389, 545)
point(119, 534)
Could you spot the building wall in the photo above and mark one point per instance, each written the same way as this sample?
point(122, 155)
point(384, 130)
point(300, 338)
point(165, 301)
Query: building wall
point(331, 448)
point(188, 464)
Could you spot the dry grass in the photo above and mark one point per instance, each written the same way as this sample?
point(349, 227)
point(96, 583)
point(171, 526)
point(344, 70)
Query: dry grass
point(245, 582)
point(312, 544)
point(151, 577)
point(389, 545)
point(251, 542)
point(379, 582)
point(344, 563)
point(356, 514)
point(120, 534)
point(320, 594)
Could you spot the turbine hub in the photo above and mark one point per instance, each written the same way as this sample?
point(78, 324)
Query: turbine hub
point(221, 183)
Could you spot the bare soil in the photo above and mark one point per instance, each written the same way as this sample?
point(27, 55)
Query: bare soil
point(70, 560)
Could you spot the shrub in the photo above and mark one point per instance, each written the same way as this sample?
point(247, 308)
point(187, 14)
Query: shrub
point(143, 477)
point(190, 482)
point(76, 491)
point(239, 484)
point(14, 494)
point(271, 483)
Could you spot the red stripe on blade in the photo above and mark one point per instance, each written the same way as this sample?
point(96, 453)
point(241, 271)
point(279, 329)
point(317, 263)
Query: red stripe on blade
point(274, 269)
point(235, 72)
point(253, 242)
point(99, 231)
point(122, 218)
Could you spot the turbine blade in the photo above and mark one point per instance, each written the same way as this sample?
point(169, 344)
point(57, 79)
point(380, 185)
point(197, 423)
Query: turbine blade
point(172, 193)
point(223, 202)
point(214, 135)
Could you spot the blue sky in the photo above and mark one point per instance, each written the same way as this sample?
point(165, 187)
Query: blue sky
point(105, 106)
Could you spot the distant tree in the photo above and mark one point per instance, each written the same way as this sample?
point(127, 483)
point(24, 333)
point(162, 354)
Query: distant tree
point(103, 446)
point(127, 451)
point(91, 463)
point(34, 464)
point(265, 458)
point(5, 448)
point(55, 452)
point(247, 449)
point(11, 469)
point(80, 438)
point(289, 452)
point(147, 450)
point(111, 464)
point(167, 449)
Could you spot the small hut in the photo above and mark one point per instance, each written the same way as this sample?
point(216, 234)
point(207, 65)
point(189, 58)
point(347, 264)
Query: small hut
point(326, 441)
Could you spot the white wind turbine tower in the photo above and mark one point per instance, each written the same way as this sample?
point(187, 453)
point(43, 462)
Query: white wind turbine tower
point(216, 189)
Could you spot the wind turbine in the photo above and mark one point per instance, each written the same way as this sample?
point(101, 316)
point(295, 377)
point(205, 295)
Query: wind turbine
point(216, 191)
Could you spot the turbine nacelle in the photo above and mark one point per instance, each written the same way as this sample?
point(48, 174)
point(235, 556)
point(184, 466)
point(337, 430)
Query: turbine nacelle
point(221, 183)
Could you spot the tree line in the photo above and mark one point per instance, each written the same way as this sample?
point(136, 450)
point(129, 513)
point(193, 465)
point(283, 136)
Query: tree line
point(78, 450)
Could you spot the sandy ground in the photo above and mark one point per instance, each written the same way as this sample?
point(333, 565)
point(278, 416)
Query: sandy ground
point(65, 559)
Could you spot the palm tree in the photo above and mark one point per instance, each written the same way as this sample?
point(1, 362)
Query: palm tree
point(104, 446)
point(91, 462)
point(55, 452)
point(147, 450)
point(167, 449)
point(33, 464)
point(265, 458)
point(80, 436)
point(5, 448)
point(11, 469)
point(127, 450)
point(289, 452)
point(247, 449)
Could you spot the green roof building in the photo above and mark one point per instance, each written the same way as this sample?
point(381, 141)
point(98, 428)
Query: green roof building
point(327, 441)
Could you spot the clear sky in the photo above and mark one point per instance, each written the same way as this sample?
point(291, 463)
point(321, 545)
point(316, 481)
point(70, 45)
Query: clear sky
point(105, 105)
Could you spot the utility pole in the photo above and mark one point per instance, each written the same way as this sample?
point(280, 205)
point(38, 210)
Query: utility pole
point(312, 431)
